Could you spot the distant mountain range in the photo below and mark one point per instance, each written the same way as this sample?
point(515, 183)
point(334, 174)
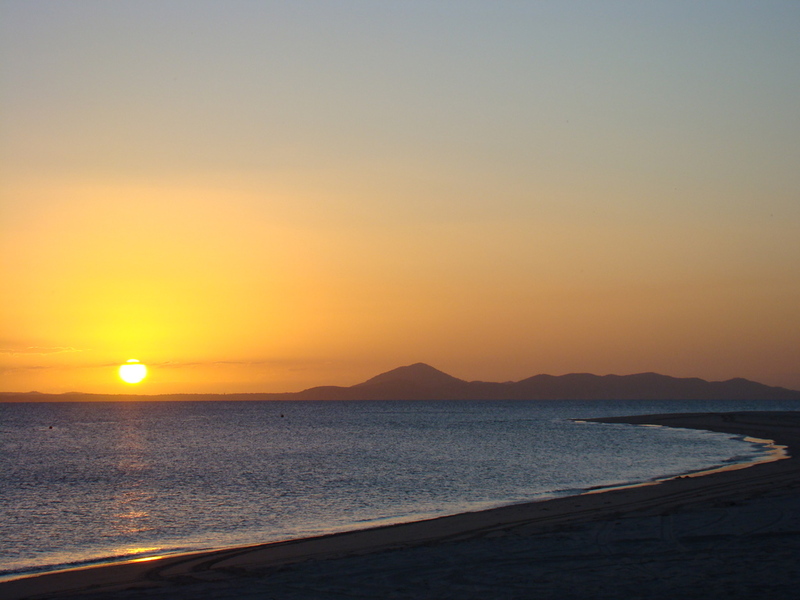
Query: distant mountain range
point(422, 382)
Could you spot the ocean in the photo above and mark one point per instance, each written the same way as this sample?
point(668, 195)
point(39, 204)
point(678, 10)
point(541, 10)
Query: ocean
point(87, 483)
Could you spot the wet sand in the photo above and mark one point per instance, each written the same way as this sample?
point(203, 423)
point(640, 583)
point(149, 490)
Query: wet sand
point(734, 533)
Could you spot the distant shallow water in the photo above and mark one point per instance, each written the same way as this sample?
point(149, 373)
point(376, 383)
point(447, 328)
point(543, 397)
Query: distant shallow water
point(94, 482)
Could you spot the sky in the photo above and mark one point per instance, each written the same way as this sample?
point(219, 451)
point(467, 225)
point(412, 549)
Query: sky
point(256, 196)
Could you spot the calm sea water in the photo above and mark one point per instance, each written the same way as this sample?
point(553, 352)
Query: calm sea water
point(93, 482)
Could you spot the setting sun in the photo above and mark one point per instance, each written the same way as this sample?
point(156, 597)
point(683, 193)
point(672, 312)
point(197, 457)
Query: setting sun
point(132, 371)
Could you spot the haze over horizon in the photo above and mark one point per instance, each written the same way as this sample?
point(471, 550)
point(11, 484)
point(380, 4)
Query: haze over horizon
point(420, 381)
point(269, 196)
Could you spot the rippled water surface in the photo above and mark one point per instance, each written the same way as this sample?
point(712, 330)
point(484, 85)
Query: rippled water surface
point(86, 482)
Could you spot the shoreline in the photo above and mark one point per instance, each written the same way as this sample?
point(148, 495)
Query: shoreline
point(734, 483)
point(773, 452)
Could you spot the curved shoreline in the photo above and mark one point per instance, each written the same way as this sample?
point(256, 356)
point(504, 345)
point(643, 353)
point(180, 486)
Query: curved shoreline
point(731, 484)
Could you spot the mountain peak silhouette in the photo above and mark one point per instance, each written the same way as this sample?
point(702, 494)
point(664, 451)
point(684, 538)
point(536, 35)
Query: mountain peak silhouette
point(418, 374)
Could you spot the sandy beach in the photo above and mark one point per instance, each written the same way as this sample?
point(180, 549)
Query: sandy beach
point(734, 533)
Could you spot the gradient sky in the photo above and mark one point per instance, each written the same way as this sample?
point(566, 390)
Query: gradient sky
point(267, 196)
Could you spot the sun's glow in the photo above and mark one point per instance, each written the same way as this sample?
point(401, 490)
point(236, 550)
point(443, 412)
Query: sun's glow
point(132, 371)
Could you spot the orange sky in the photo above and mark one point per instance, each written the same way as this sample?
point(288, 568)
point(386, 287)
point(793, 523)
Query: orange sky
point(264, 197)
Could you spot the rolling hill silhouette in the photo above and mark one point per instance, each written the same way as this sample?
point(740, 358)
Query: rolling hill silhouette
point(423, 382)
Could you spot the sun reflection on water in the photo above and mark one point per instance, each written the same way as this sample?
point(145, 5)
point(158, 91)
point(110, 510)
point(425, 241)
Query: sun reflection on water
point(137, 552)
